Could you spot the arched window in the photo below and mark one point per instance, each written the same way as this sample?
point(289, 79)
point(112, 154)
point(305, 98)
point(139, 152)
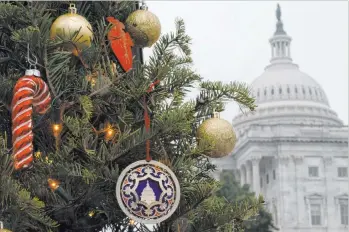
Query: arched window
point(296, 90)
point(265, 92)
point(288, 89)
point(310, 91)
point(342, 204)
point(280, 90)
point(315, 203)
point(272, 91)
point(303, 90)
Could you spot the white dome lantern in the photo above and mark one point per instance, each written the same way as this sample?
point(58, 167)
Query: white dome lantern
point(284, 94)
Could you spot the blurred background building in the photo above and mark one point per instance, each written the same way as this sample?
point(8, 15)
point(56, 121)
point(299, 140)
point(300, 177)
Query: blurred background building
point(293, 149)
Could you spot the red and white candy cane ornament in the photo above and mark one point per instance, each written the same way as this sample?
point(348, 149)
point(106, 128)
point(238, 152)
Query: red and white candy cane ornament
point(30, 93)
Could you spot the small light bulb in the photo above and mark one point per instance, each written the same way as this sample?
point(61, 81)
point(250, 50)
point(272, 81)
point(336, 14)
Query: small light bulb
point(91, 213)
point(109, 133)
point(37, 154)
point(132, 222)
point(53, 184)
point(56, 127)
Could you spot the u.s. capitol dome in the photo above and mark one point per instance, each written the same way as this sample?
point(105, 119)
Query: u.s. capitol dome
point(285, 94)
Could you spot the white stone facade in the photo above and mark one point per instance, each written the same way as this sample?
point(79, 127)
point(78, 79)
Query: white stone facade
point(293, 149)
point(275, 160)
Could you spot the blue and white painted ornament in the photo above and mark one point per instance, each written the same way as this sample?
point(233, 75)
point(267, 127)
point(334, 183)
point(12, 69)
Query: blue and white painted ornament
point(148, 192)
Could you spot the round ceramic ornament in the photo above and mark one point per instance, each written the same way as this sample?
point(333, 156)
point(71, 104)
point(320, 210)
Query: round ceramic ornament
point(148, 192)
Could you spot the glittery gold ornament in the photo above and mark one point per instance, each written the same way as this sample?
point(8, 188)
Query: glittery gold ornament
point(218, 135)
point(144, 27)
point(74, 27)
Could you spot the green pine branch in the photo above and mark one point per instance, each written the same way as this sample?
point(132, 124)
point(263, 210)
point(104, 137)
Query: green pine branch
point(86, 164)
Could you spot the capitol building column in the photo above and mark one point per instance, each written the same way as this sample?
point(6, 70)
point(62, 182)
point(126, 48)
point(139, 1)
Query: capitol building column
point(255, 174)
point(298, 160)
point(242, 175)
point(284, 210)
point(248, 174)
point(330, 188)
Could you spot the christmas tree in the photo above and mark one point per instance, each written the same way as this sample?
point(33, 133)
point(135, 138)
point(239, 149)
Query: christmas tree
point(234, 192)
point(68, 132)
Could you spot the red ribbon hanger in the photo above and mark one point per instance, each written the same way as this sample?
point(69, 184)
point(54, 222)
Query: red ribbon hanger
point(147, 119)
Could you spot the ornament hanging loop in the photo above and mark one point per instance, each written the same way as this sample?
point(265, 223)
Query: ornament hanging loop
point(215, 114)
point(144, 6)
point(32, 71)
point(72, 9)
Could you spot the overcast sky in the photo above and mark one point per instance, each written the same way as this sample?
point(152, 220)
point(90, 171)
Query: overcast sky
point(230, 40)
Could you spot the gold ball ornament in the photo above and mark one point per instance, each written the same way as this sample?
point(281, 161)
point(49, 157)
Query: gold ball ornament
point(218, 135)
point(74, 27)
point(144, 27)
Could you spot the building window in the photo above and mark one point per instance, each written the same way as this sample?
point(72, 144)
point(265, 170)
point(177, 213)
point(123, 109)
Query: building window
point(265, 92)
point(314, 203)
point(274, 175)
point(313, 171)
point(315, 212)
point(272, 91)
point(280, 91)
point(342, 172)
point(288, 90)
point(303, 90)
point(343, 206)
point(267, 179)
point(261, 182)
point(295, 90)
point(315, 92)
point(310, 91)
point(258, 93)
